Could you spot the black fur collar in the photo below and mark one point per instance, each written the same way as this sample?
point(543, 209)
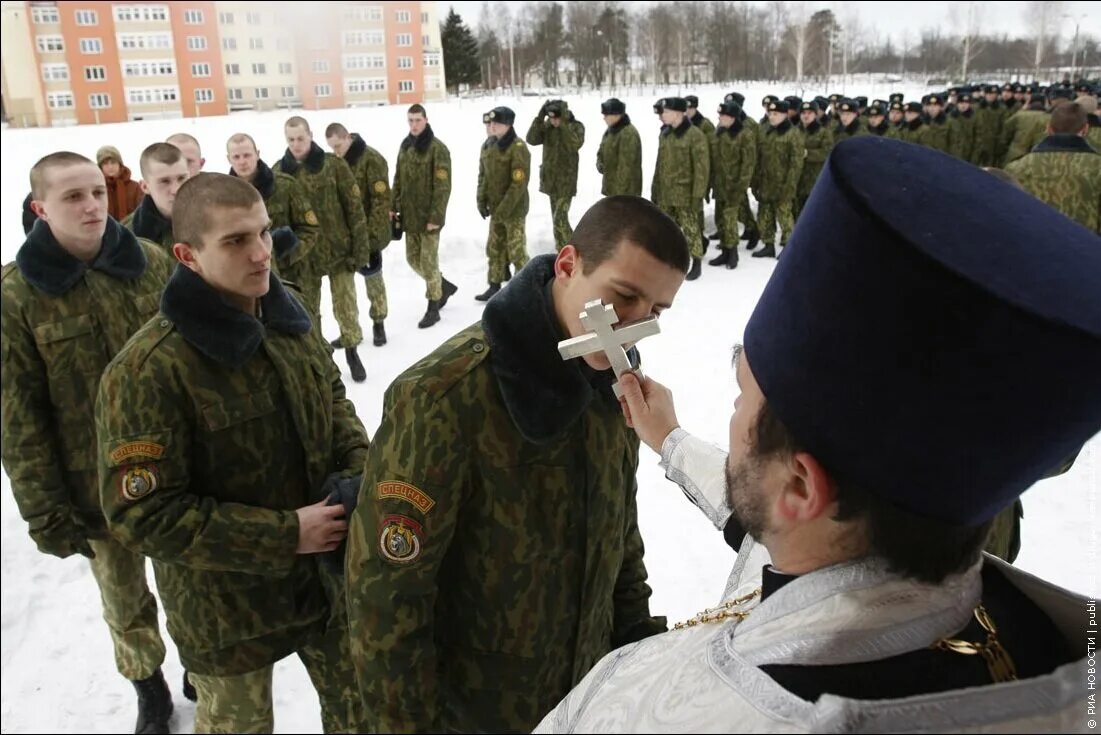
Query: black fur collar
point(355, 150)
point(263, 180)
point(543, 393)
point(779, 129)
point(1064, 143)
point(420, 142)
point(733, 130)
point(50, 268)
point(624, 121)
point(914, 124)
point(149, 222)
point(880, 129)
point(488, 142)
point(507, 139)
point(697, 119)
point(813, 128)
point(940, 119)
point(1093, 120)
point(222, 332)
point(315, 161)
point(680, 130)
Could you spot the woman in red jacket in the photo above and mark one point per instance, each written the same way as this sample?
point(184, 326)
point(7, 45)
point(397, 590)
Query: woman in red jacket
point(123, 193)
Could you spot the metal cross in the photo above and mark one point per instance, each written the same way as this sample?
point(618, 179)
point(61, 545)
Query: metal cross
point(598, 318)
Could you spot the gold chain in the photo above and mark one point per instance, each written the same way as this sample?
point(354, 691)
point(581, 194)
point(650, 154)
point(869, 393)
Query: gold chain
point(724, 611)
point(998, 660)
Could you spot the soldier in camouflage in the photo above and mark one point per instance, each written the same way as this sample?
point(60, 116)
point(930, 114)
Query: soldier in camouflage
point(961, 128)
point(706, 127)
point(913, 126)
point(1024, 129)
point(344, 245)
point(495, 555)
point(1063, 169)
point(218, 426)
point(619, 159)
point(938, 133)
point(818, 142)
point(877, 121)
point(780, 157)
point(561, 135)
point(422, 187)
point(849, 123)
point(503, 197)
point(372, 176)
point(682, 174)
point(988, 128)
point(733, 158)
point(80, 286)
point(163, 171)
point(751, 233)
point(295, 227)
point(897, 119)
point(1089, 104)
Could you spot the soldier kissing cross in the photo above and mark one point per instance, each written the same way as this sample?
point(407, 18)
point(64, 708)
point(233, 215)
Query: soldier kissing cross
point(598, 318)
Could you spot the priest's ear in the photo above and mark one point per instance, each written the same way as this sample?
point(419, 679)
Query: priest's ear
point(810, 492)
point(568, 263)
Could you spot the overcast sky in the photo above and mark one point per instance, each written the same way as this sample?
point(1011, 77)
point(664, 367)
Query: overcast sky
point(898, 18)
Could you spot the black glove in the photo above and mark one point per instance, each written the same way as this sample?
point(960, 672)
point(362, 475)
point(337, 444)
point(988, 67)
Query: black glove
point(340, 490)
point(63, 540)
point(396, 229)
point(374, 265)
point(543, 109)
point(283, 242)
point(483, 210)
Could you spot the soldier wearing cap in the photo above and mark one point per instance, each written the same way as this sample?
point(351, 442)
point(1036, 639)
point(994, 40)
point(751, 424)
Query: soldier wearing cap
point(780, 155)
point(1024, 129)
point(896, 97)
point(708, 129)
point(877, 119)
point(849, 124)
point(503, 197)
point(795, 104)
point(937, 133)
point(818, 141)
point(988, 127)
point(682, 175)
point(961, 128)
point(835, 100)
point(750, 232)
point(733, 159)
point(896, 117)
point(561, 135)
point(913, 126)
point(619, 158)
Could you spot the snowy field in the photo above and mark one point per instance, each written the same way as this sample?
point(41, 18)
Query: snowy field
point(58, 672)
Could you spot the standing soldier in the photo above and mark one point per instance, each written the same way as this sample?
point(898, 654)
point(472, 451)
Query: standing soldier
point(750, 233)
point(193, 154)
point(962, 128)
point(849, 124)
point(1063, 169)
point(818, 142)
point(422, 187)
point(373, 179)
point(913, 127)
point(937, 132)
point(619, 158)
point(877, 119)
point(708, 129)
point(503, 195)
point(988, 128)
point(897, 119)
point(163, 171)
point(1089, 104)
point(220, 426)
point(344, 245)
point(779, 166)
point(682, 174)
point(295, 228)
point(80, 286)
point(733, 158)
point(561, 135)
point(1024, 129)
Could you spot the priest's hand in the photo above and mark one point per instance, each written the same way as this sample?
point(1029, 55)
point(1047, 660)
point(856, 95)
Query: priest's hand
point(648, 408)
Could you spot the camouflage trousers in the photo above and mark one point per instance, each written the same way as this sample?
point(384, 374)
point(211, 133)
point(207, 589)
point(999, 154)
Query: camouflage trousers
point(1004, 540)
point(310, 285)
point(726, 219)
point(689, 221)
point(745, 215)
point(771, 214)
point(422, 250)
point(342, 286)
point(243, 703)
point(507, 243)
point(129, 608)
point(560, 215)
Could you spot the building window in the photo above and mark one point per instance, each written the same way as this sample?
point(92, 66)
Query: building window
point(55, 72)
point(259, 69)
point(374, 13)
point(99, 101)
point(424, 18)
point(426, 41)
point(134, 41)
point(283, 44)
point(403, 16)
point(256, 43)
point(285, 67)
point(232, 69)
point(48, 44)
point(287, 92)
point(405, 62)
point(235, 95)
point(432, 83)
point(193, 17)
point(200, 70)
point(138, 13)
point(151, 95)
point(59, 100)
point(375, 84)
point(405, 85)
point(432, 58)
point(42, 16)
point(229, 44)
point(164, 68)
point(323, 90)
point(364, 61)
point(364, 38)
point(91, 46)
point(261, 93)
point(196, 43)
point(225, 19)
point(320, 66)
point(95, 73)
point(204, 95)
point(405, 39)
point(253, 19)
point(87, 18)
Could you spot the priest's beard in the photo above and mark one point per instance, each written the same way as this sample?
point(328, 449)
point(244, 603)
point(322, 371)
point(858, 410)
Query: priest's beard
point(745, 496)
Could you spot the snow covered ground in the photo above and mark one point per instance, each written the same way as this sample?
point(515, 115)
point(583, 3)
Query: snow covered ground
point(55, 652)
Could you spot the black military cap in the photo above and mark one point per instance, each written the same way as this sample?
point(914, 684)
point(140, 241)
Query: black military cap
point(485, 118)
point(678, 104)
point(1084, 88)
point(769, 99)
point(794, 102)
point(1019, 88)
point(876, 109)
point(777, 105)
point(862, 101)
point(1061, 93)
point(835, 97)
point(554, 108)
point(735, 97)
point(659, 106)
point(882, 103)
point(896, 97)
point(990, 89)
point(1010, 87)
point(913, 107)
point(936, 99)
point(692, 100)
point(898, 106)
point(954, 91)
point(847, 105)
point(1037, 97)
point(612, 106)
point(822, 102)
point(503, 115)
point(731, 108)
point(809, 105)
point(964, 97)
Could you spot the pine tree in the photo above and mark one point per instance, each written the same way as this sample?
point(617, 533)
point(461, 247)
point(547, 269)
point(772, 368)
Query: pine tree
point(460, 53)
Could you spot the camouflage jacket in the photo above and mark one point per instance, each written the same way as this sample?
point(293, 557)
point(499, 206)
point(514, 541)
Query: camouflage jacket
point(988, 129)
point(780, 156)
point(344, 244)
point(856, 127)
point(938, 134)
point(558, 169)
point(1065, 172)
point(288, 206)
point(372, 176)
point(733, 158)
point(483, 155)
point(1021, 132)
point(503, 188)
point(818, 141)
point(913, 131)
point(422, 182)
point(619, 159)
point(683, 171)
point(1093, 136)
point(961, 134)
point(494, 555)
point(63, 322)
point(148, 223)
point(895, 131)
point(213, 428)
point(708, 129)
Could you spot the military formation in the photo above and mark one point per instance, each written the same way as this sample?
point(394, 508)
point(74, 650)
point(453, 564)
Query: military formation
point(167, 393)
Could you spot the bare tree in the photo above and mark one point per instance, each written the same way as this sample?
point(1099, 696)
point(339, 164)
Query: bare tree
point(799, 34)
point(1043, 16)
point(777, 15)
point(969, 17)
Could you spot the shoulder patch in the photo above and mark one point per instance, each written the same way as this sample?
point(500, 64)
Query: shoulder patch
point(380, 187)
point(135, 450)
point(441, 174)
point(519, 144)
point(311, 218)
point(518, 174)
point(137, 481)
point(404, 491)
point(400, 539)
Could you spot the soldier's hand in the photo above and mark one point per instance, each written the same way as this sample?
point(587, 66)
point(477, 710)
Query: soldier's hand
point(393, 215)
point(321, 527)
point(63, 539)
point(431, 227)
point(648, 408)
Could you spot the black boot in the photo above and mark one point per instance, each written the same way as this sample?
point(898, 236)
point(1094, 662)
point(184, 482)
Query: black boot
point(488, 293)
point(154, 704)
point(336, 344)
point(359, 373)
point(721, 258)
point(379, 334)
point(768, 251)
point(189, 689)
point(508, 272)
point(431, 316)
point(752, 238)
point(706, 243)
point(694, 273)
point(715, 236)
point(449, 290)
point(732, 261)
